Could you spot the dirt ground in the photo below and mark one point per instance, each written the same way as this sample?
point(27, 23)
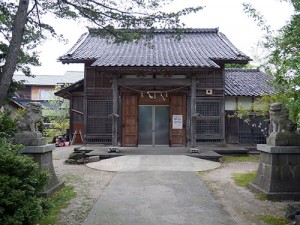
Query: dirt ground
point(242, 204)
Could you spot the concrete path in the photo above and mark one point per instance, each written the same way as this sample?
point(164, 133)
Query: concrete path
point(154, 163)
point(157, 198)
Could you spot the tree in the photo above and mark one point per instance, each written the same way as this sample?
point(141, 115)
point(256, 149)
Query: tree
point(23, 26)
point(282, 58)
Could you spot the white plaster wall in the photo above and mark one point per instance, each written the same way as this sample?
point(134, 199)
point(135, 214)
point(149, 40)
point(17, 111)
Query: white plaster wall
point(230, 103)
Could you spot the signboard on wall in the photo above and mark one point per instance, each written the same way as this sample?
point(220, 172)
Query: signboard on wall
point(177, 122)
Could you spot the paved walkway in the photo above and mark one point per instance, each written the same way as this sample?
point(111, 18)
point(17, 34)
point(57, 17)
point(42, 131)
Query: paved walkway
point(156, 191)
point(157, 198)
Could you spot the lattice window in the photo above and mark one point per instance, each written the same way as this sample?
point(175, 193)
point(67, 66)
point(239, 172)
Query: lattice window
point(210, 79)
point(98, 120)
point(210, 123)
point(98, 83)
point(208, 126)
point(208, 108)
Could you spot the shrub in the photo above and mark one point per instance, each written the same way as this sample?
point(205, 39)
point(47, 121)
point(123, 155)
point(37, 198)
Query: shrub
point(20, 183)
point(7, 125)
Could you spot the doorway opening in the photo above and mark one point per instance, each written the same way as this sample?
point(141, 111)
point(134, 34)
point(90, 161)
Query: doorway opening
point(154, 125)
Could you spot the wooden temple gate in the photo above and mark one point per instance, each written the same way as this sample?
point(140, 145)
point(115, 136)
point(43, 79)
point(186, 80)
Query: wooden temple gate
point(194, 100)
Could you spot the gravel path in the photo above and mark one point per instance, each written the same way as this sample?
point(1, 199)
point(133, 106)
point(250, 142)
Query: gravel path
point(88, 185)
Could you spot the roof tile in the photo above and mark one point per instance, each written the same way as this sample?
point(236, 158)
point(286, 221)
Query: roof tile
point(195, 48)
point(247, 82)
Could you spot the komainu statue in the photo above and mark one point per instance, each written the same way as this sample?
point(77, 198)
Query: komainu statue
point(29, 122)
point(279, 116)
point(283, 130)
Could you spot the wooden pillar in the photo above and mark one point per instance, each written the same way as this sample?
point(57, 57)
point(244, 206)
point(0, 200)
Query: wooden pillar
point(115, 116)
point(193, 112)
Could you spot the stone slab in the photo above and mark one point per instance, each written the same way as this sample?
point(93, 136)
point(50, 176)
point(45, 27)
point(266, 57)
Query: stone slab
point(278, 149)
point(38, 149)
point(154, 163)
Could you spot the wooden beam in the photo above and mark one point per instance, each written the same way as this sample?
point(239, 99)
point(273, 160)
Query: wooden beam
point(115, 111)
point(193, 112)
point(152, 82)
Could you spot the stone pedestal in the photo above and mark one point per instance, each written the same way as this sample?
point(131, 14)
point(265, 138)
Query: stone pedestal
point(278, 175)
point(36, 147)
point(43, 156)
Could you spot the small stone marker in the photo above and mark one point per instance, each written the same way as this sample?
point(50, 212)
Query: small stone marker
point(194, 150)
point(113, 149)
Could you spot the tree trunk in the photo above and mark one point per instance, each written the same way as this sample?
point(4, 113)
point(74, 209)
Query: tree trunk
point(12, 56)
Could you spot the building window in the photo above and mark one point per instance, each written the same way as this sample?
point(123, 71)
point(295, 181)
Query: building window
point(45, 95)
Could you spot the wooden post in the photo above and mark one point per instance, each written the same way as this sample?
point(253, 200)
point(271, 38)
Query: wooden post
point(193, 112)
point(115, 111)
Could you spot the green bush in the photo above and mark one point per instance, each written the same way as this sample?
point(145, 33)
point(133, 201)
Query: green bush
point(7, 125)
point(20, 183)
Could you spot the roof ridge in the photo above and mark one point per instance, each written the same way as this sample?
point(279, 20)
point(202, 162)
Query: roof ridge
point(243, 69)
point(183, 30)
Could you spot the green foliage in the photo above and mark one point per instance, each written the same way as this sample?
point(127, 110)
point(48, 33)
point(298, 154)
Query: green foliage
point(240, 158)
point(20, 183)
point(274, 220)
point(98, 14)
point(282, 60)
point(7, 125)
point(242, 179)
point(58, 201)
point(59, 118)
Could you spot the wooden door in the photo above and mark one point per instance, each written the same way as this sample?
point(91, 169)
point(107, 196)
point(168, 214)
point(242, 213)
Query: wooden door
point(129, 120)
point(178, 107)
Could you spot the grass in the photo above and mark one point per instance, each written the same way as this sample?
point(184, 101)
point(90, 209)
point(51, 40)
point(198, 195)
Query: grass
point(274, 220)
point(240, 158)
point(58, 201)
point(242, 179)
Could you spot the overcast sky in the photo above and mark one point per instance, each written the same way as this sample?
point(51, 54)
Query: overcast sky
point(228, 16)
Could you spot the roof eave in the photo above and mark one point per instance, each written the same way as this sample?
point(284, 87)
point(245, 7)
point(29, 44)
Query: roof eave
point(68, 61)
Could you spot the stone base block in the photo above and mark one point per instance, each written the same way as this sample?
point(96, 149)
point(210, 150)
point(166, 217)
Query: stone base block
point(38, 149)
point(43, 156)
point(48, 192)
point(31, 141)
point(278, 174)
point(283, 139)
point(28, 134)
point(274, 195)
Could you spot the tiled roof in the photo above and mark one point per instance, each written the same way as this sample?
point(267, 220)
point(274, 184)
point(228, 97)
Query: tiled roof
point(44, 103)
point(195, 48)
point(64, 92)
point(247, 82)
point(50, 80)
